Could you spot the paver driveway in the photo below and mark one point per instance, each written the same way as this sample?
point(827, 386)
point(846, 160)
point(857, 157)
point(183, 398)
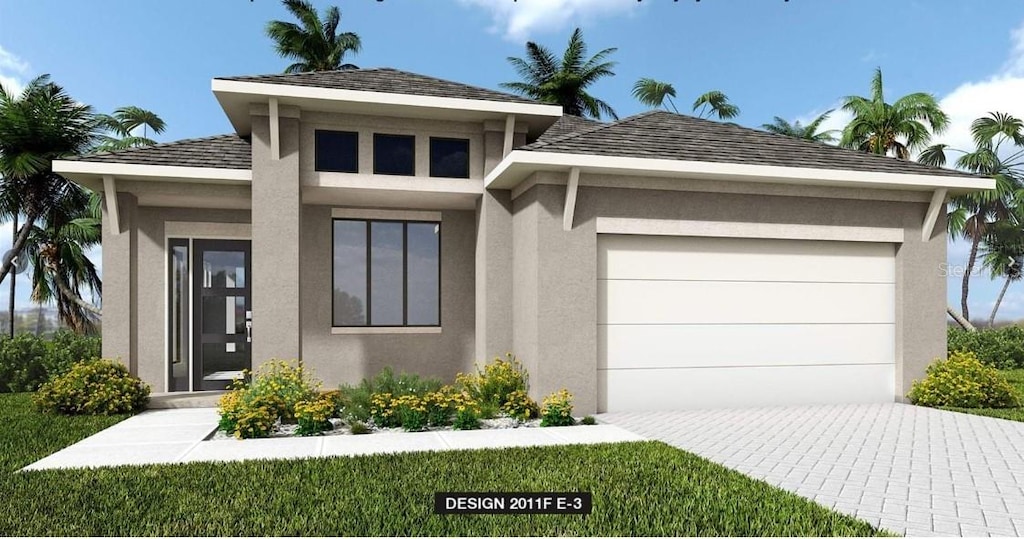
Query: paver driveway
point(909, 469)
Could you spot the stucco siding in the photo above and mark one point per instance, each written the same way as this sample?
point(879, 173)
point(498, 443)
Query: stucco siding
point(348, 358)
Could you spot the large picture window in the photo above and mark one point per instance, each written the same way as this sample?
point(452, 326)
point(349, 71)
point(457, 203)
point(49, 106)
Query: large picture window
point(386, 273)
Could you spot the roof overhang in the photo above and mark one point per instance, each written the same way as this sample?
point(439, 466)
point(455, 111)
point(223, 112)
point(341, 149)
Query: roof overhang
point(235, 98)
point(90, 173)
point(520, 164)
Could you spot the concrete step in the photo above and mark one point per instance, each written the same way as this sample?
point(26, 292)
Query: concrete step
point(198, 399)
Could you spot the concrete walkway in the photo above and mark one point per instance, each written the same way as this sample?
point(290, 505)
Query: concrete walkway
point(908, 469)
point(179, 435)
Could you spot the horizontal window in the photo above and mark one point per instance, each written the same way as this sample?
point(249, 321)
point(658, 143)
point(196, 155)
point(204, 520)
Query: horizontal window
point(394, 154)
point(449, 157)
point(337, 151)
point(386, 273)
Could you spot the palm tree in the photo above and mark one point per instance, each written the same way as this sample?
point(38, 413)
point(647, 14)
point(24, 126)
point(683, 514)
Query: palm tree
point(61, 270)
point(806, 132)
point(655, 93)
point(1003, 256)
point(315, 43)
point(972, 215)
point(564, 82)
point(121, 125)
point(42, 124)
point(898, 128)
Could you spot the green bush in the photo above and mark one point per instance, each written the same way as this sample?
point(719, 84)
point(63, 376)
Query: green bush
point(467, 418)
point(588, 420)
point(492, 385)
point(313, 416)
point(255, 403)
point(1002, 348)
point(519, 405)
point(27, 361)
point(358, 427)
point(963, 382)
point(557, 410)
point(94, 387)
point(355, 400)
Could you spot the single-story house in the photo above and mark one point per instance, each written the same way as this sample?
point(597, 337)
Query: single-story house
point(367, 218)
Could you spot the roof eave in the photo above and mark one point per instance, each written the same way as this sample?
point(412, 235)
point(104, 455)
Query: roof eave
point(90, 173)
point(519, 164)
point(236, 96)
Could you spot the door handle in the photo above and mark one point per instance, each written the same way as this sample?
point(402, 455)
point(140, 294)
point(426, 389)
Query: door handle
point(248, 331)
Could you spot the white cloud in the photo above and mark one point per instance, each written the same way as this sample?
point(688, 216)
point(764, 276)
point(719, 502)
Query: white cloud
point(12, 71)
point(518, 20)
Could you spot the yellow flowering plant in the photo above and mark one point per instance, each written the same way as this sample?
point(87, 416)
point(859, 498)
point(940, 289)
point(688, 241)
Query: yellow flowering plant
point(491, 385)
point(93, 387)
point(313, 416)
point(519, 405)
point(557, 410)
point(275, 389)
point(963, 381)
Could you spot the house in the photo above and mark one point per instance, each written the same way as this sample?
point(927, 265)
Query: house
point(368, 218)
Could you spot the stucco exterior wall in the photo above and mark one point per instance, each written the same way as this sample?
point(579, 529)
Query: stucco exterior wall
point(348, 358)
point(555, 270)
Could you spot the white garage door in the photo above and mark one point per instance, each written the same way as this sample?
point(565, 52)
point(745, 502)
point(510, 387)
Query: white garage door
point(693, 322)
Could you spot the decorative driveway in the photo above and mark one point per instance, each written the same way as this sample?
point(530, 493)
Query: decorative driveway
point(905, 468)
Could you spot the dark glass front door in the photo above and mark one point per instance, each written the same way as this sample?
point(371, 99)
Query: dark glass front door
point(222, 312)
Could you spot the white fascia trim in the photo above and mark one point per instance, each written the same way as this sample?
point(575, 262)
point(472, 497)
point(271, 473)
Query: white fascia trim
point(726, 229)
point(152, 171)
point(736, 171)
point(398, 215)
point(375, 330)
point(359, 96)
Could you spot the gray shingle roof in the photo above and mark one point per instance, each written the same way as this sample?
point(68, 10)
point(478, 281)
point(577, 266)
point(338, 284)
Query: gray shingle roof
point(664, 135)
point(565, 125)
point(385, 80)
point(221, 151)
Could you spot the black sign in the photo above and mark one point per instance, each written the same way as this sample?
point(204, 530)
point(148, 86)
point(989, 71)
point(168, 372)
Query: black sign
point(511, 503)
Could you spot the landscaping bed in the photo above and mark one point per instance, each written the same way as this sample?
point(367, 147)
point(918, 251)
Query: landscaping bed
point(1016, 379)
point(639, 489)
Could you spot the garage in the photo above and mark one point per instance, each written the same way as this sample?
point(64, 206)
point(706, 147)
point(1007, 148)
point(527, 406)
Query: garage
point(711, 322)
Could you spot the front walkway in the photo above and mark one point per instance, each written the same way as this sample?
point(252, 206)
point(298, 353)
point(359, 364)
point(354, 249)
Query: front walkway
point(179, 435)
point(909, 469)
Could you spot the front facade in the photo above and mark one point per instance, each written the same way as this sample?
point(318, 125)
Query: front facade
point(370, 218)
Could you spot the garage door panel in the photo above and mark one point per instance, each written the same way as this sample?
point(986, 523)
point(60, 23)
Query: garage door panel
point(714, 302)
point(676, 346)
point(735, 387)
point(676, 258)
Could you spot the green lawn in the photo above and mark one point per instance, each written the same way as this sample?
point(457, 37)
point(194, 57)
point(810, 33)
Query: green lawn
point(1016, 378)
point(644, 488)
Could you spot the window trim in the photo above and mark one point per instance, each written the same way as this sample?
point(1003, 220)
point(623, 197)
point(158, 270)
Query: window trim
point(394, 135)
point(316, 152)
point(430, 151)
point(405, 327)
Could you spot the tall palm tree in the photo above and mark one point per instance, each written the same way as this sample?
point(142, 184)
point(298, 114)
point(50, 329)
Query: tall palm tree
point(806, 132)
point(898, 128)
point(1003, 256)
point(564, 82)
point(655, 93)
point(61, 269)
point(971, 215)
point(42, 124)
point(315, 42)
point(120, 128)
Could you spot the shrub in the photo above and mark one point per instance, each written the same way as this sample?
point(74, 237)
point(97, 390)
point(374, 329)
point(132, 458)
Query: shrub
point(1002, 348)
point(519, 405)
point(285, 383)
point(27, 361)
point(358, 427)
point(95, 387)
point(255, 403)
point(356, 400)
point(255, 422)
point(382, 411)
point(492, 385)
point(467, 418)
point(557, 410)
point(313, 415)
point(334, 396)
point(411, 412)
point(962, 381)
point(588, 420)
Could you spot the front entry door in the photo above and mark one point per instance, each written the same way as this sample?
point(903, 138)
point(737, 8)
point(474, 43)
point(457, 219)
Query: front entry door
point(222, 312)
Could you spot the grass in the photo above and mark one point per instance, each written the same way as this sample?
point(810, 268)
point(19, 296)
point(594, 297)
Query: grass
point(1016, 379)
point(642, 488)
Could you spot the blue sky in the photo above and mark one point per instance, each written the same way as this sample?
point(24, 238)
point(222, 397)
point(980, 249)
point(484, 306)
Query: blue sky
point(792, 59)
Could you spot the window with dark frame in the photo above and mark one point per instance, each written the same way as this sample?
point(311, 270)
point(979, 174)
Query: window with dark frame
point(178, 315)
point(394, 154)
point(449, 157)
point(337, 151)
point(386, 273)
